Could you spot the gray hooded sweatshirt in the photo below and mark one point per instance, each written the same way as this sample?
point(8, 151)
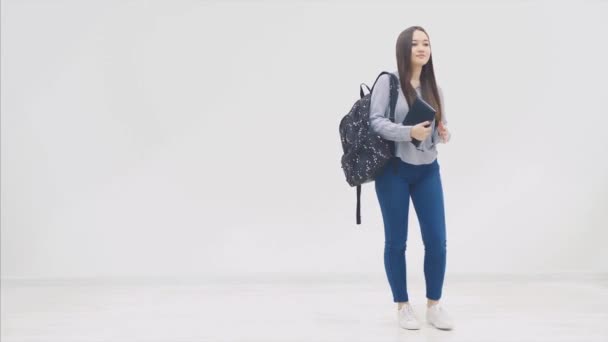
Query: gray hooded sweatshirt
point(426, 152)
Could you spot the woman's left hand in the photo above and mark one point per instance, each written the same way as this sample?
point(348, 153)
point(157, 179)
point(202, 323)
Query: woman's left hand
point(444, 133)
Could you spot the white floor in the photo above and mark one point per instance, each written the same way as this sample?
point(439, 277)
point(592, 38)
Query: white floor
point(302, 308)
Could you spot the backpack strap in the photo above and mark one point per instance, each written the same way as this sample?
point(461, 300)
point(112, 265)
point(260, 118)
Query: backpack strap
point(392, 104)
point(358, 204)
point(394, 88)
point(394, 95)
point(393, 99)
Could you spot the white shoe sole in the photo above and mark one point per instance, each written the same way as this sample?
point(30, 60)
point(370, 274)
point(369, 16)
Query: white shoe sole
point(410, 327)
point(440, 328)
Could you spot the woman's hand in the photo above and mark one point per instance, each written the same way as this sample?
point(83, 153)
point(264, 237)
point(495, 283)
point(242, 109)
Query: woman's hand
point(444, 134)
point(421, 131)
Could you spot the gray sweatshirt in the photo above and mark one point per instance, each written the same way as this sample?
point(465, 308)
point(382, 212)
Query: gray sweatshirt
point(426, 152)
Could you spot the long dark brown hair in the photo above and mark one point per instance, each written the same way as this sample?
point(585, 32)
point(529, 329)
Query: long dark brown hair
point(428, 84)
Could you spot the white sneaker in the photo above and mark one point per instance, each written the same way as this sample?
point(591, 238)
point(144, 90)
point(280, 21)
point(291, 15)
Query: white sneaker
point(407, 318)
point(437, 316)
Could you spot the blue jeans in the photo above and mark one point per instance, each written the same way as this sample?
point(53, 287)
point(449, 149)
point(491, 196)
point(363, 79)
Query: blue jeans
point(394, 186)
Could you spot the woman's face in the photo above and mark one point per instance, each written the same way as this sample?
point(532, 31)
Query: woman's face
point(421, 49)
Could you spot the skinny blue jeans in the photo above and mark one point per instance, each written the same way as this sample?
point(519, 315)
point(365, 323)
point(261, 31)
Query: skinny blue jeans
point(395, 184)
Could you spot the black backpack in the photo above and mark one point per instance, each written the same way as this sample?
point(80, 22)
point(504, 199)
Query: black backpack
point(365, 152)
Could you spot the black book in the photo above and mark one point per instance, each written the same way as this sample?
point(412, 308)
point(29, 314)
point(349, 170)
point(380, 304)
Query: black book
point(420, 111)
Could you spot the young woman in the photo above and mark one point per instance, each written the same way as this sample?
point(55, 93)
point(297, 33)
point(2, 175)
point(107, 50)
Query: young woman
point(414, 172)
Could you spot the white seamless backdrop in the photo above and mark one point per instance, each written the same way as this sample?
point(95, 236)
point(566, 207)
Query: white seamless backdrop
point(188, 138)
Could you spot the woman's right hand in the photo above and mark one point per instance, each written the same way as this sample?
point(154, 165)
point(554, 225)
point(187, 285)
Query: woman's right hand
point(420, 132)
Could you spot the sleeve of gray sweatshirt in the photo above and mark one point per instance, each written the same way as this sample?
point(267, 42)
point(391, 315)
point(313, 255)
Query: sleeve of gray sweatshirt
point(379, 105)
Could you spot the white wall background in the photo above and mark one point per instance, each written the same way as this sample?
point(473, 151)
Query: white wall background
point(168, 138)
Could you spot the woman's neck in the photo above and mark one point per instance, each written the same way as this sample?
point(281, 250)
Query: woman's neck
point(415, 79)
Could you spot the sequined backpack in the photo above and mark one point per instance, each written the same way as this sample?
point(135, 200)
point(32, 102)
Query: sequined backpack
point(365, 152)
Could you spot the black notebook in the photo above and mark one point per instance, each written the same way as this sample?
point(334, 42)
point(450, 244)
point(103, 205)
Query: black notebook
point(419, 112)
